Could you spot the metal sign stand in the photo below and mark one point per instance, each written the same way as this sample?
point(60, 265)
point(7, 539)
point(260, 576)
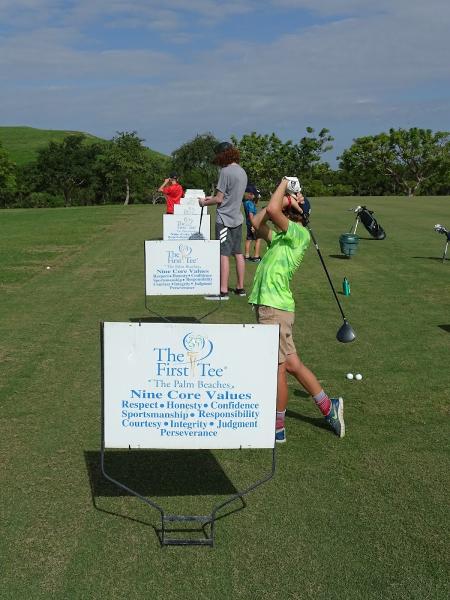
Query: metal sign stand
point(203, 521)
point(167, 519)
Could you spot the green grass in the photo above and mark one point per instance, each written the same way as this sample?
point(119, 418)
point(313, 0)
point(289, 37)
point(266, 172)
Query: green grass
point(363, 517)
point(22, 143)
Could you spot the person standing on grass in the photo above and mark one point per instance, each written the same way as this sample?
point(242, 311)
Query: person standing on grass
point(228, 198)
point(250, 201)
point(172, 190)
point(271, 295)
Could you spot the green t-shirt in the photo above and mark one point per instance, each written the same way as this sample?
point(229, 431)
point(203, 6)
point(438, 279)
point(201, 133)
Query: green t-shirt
point(274, 273)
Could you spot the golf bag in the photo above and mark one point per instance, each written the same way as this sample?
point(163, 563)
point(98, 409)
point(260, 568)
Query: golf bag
point(366, 217)
point(441, 229)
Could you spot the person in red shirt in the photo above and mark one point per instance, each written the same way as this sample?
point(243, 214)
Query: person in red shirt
point(172, 190)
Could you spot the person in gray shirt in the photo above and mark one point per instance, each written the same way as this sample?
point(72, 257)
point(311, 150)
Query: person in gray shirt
point(228, 198)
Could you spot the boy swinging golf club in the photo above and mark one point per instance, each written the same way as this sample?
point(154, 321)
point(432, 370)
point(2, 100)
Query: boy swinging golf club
point(271, 294)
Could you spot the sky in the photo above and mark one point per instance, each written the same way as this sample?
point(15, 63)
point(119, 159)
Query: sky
point(171, 69)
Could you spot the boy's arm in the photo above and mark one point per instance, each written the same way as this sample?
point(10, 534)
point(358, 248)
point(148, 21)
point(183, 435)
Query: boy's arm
point(209, 200)
point(163, 185)
point(259, 223)
point(275, 207)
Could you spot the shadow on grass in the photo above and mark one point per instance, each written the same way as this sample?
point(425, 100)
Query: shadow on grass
point(445, 328)
point(439, 258)
point(339, 256)
point(301, 393)
point(315, 421)
point(161, 319)
point(159, 473)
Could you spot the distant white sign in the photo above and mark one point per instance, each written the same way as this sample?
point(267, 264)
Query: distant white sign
point(181, 227)
point(189, 209)
point(172, 385)
point(189, 201)
point(194, 193)
point(182, 268)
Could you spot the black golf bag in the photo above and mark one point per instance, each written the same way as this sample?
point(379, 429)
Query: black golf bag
point(366, 217)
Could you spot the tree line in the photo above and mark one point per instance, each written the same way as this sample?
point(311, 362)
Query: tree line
point(76, 171)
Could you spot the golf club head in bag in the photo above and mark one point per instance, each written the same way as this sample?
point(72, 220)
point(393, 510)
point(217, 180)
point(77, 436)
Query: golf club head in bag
point(441, 229)
point(370, 223)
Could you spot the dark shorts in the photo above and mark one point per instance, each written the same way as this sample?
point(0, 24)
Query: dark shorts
point(230, 239)
point(251, 235)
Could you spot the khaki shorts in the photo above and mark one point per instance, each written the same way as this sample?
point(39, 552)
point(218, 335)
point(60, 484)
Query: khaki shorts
point(266, 315)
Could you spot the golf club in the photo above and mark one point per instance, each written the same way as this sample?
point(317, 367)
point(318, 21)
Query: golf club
point(198, 235)
point(345, 333)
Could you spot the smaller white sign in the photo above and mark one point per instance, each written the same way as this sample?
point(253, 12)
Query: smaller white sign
point(194, 193)
point(185, 268)
point(189, 201)
point(182, 227)
point(189, 209)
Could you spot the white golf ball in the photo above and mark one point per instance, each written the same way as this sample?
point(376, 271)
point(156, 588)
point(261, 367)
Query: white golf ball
point(358, 376)
point(349, 375)
point(47, 268)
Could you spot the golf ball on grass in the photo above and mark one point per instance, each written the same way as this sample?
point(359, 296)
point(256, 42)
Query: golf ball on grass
point(48, 268)
point(358, 376)
point(349, 375)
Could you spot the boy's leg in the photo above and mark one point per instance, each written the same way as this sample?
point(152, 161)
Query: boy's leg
point(257, 248)
point(332, 409)
point(282, 388)
point(309, 381)
point(247, 249)
point(282, 402)
point(224, 273)
point(304, 376)
point(240, 270)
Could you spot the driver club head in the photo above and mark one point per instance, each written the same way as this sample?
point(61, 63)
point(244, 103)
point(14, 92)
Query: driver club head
point(345, 333)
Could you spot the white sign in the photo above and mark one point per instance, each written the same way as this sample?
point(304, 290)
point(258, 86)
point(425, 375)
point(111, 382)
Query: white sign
point(194, 193)
point(190, 267)
point(172, 385)
point(189, 209)
point(181, 227)
point(189, 201)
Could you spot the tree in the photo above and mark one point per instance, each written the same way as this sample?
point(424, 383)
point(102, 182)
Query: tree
point(7, 177)
point(401, 161)
point(126, 160)
point(193, 161)
point(266, 159)
point(63, 167)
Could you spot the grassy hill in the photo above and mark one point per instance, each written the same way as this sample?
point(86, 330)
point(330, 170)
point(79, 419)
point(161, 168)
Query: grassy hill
point(22, 143)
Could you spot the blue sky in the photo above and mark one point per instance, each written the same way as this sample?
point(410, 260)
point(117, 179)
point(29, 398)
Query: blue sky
point(170, 69)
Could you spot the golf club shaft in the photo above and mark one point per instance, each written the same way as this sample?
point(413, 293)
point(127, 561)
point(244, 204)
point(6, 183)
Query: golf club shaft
point(326, 272)
point(201, 217)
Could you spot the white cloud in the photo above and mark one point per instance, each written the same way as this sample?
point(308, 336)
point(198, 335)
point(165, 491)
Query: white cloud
point(363, 69)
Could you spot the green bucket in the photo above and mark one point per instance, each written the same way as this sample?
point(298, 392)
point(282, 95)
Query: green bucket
point(349, 244)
